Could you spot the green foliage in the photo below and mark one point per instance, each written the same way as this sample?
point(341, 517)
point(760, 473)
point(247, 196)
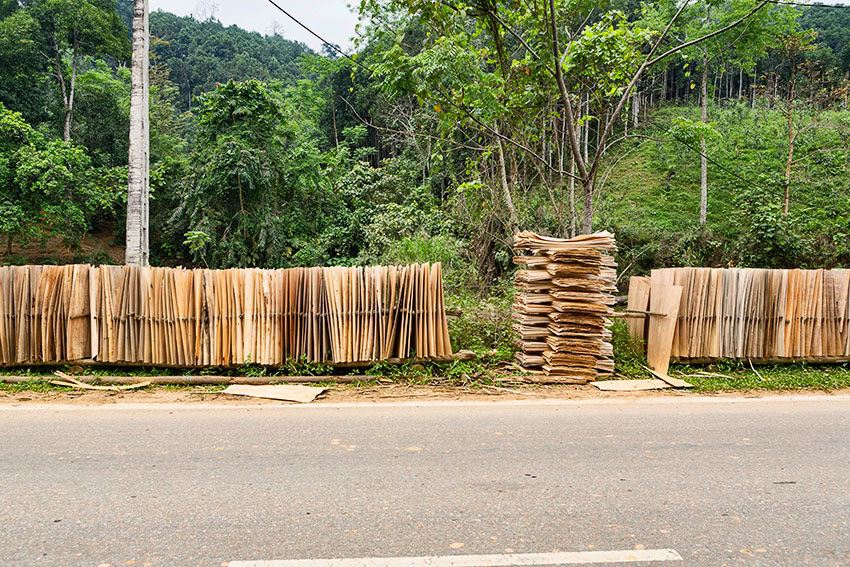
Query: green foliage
point(607, 53)
point(102, 116)
point(238, 172)
point(769, 238)
point(692, 132)
point(48, 187)
point(303, 367)
point(651, 196)
point(629, 359)
point(484, 320)
point(92, 27)
point(21, 80)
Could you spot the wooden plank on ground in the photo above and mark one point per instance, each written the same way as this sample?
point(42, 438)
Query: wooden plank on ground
point(664, 298)
point(675, 382)
point(630, 385)
point(283, 392)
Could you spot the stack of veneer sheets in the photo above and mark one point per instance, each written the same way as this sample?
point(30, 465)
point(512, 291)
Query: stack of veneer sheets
point(566, 335)
point(190, 318)
point(531, 309)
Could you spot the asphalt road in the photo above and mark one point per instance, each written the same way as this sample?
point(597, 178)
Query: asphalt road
point(744, 483)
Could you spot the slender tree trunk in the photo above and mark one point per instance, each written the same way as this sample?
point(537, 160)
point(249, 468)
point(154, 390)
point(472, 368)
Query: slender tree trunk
point(791, 136)
point(788, 164)
point(586, 127)
point(137, 244)
point(69, 104)
point(333, 117)
point(599, 129)
point(572, 196)
point(703, 179)
point(752, 90)
point(503, 176)
point(740, 82)
point(587, 213)
point(8, 244)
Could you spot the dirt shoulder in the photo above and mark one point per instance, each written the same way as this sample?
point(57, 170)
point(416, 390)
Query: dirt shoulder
point(389, 393)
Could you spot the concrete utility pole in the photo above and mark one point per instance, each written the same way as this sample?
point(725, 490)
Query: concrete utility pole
point(138, 190)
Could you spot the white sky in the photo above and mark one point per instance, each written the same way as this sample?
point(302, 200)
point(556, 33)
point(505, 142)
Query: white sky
point(331, 19)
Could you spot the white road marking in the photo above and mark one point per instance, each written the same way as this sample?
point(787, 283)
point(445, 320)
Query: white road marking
point(511, 560)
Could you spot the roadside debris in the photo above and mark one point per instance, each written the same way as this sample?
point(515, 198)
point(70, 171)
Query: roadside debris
point(301, 394)
point(72, 382)
point(631, 385)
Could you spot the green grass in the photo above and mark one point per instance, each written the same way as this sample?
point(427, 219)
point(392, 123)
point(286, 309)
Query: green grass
point(729, 376)
point(34, 385)
point(737, 377)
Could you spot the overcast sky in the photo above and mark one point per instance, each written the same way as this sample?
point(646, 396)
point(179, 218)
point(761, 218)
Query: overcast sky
point(331, 19)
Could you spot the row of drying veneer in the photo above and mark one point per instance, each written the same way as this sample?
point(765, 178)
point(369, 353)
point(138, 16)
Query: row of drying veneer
point(177, 317)
point(756, 314)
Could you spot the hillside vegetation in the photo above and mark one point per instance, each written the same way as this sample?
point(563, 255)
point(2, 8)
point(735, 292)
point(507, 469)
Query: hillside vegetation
point(707, 133)
point(650, 193)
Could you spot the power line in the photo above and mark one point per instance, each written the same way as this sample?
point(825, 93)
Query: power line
point(789, 3)
point(320, 38)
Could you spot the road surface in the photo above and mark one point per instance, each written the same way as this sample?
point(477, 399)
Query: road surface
point(755, 482)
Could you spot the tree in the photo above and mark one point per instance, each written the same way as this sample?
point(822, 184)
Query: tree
point(201, 53)
point(745, 46)
point(138, 193)
point(70, 30)
point(238, 175)
point(102, 113)
point(48, 188)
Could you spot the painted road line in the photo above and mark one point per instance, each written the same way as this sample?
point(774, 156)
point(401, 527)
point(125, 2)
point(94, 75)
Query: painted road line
point(511, 560)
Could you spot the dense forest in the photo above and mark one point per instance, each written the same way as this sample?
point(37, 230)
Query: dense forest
point(701, 133)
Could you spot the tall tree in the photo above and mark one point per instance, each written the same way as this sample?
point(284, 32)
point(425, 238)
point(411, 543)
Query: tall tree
point(138, 191)
point(70, 30)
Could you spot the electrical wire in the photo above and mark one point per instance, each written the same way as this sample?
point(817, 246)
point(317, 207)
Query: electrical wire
point(789, 3)
point(737, 176)
point(320, 38)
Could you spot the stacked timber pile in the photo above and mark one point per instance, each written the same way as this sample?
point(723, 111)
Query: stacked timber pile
point(581, 279)
point(531, 309)
point(751, 314)
point(190, 318)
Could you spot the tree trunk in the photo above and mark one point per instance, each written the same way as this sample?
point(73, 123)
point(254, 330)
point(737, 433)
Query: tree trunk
point(138, 189)
point(572, 196)
point(69, 102)
point(703, 179)
point(586, 127)
point(587, 213)
point(635, 107)
point(333, 116)
point(505, 187)
point(791, 137)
